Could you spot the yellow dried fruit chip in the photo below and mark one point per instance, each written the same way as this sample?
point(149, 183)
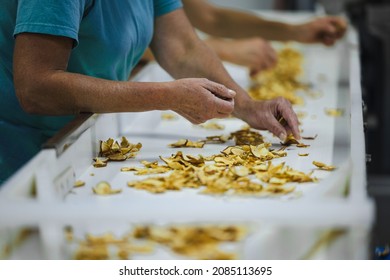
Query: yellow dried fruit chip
point(290, 140)
point(125, 143)
point(115, 147)
point(324, 166)
point(79, 184)
point(302, 145)
point(334, 112)
point(92, 253)
point(240, 171)
point(212, 125)
point(185, 143)
point(111, 150)
point(117, 157)
point(309, 137)
point(224, 160)
point(277, 181)
point(219, 139)
point(280, 153)
point(104, 188)
point(260, 167)
point(127, 169)
point(247, 137)
point(105, 146)
point(156, 170)
point(100, 162)
point(179, 144)
point(148, 164)
point(279, 190)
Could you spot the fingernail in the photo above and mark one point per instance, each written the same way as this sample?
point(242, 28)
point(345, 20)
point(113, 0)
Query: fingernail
point(232, 92)
point(283, 136)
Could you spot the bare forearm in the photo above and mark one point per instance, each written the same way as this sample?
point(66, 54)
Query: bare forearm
point(228, 23)
point(236, 24)
point(190, 57)
point(44, 86)
point(60, 93)
point(202, 62)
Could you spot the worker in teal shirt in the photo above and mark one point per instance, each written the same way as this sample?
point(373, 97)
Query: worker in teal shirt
point(60, 58)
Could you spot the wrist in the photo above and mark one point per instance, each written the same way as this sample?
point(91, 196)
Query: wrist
point(153, 95)
point(299, 32)
point(242, 103)
point(168, 97)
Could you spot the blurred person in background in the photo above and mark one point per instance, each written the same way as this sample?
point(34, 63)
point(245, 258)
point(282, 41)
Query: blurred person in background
point(251, 33)
point(61, 58)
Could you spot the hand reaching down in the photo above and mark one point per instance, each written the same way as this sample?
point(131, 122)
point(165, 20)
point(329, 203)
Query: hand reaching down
point(266, 115)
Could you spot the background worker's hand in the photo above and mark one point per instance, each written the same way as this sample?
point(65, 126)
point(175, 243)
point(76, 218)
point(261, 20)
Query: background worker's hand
point(255, 53)
point(326, 30)
point(266, 115)
point(199, 100)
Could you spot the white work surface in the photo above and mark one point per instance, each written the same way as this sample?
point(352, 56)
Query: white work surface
point(285, 227)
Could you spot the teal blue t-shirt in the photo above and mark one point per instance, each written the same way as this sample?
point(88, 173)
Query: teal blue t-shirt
point(109, 36)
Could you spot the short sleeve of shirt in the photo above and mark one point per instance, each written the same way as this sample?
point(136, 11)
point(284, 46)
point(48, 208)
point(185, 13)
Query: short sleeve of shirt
point(162, 7)
point(60, 18)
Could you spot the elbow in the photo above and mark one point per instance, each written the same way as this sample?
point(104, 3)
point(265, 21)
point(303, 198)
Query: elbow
point(28, 99)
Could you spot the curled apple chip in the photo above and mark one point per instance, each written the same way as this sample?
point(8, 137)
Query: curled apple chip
point(279, 190)
point(111, 150)
point(290, 140)
point(247, 137)
point(310, 137)
point(104, 188)
point(277, 181)
point(185, 143)
point(324, 166)
point(212, 125)
point(240, 171)
point(302, 145)
point(218, 139)
point(100, 162)
point(79, 184)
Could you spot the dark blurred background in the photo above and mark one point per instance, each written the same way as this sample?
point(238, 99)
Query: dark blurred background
point(371, 18)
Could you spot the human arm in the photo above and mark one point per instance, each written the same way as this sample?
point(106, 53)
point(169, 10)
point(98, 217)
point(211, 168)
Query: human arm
point(254, 53)
point(228, 23)
point(183, 54)
point(44, 86)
